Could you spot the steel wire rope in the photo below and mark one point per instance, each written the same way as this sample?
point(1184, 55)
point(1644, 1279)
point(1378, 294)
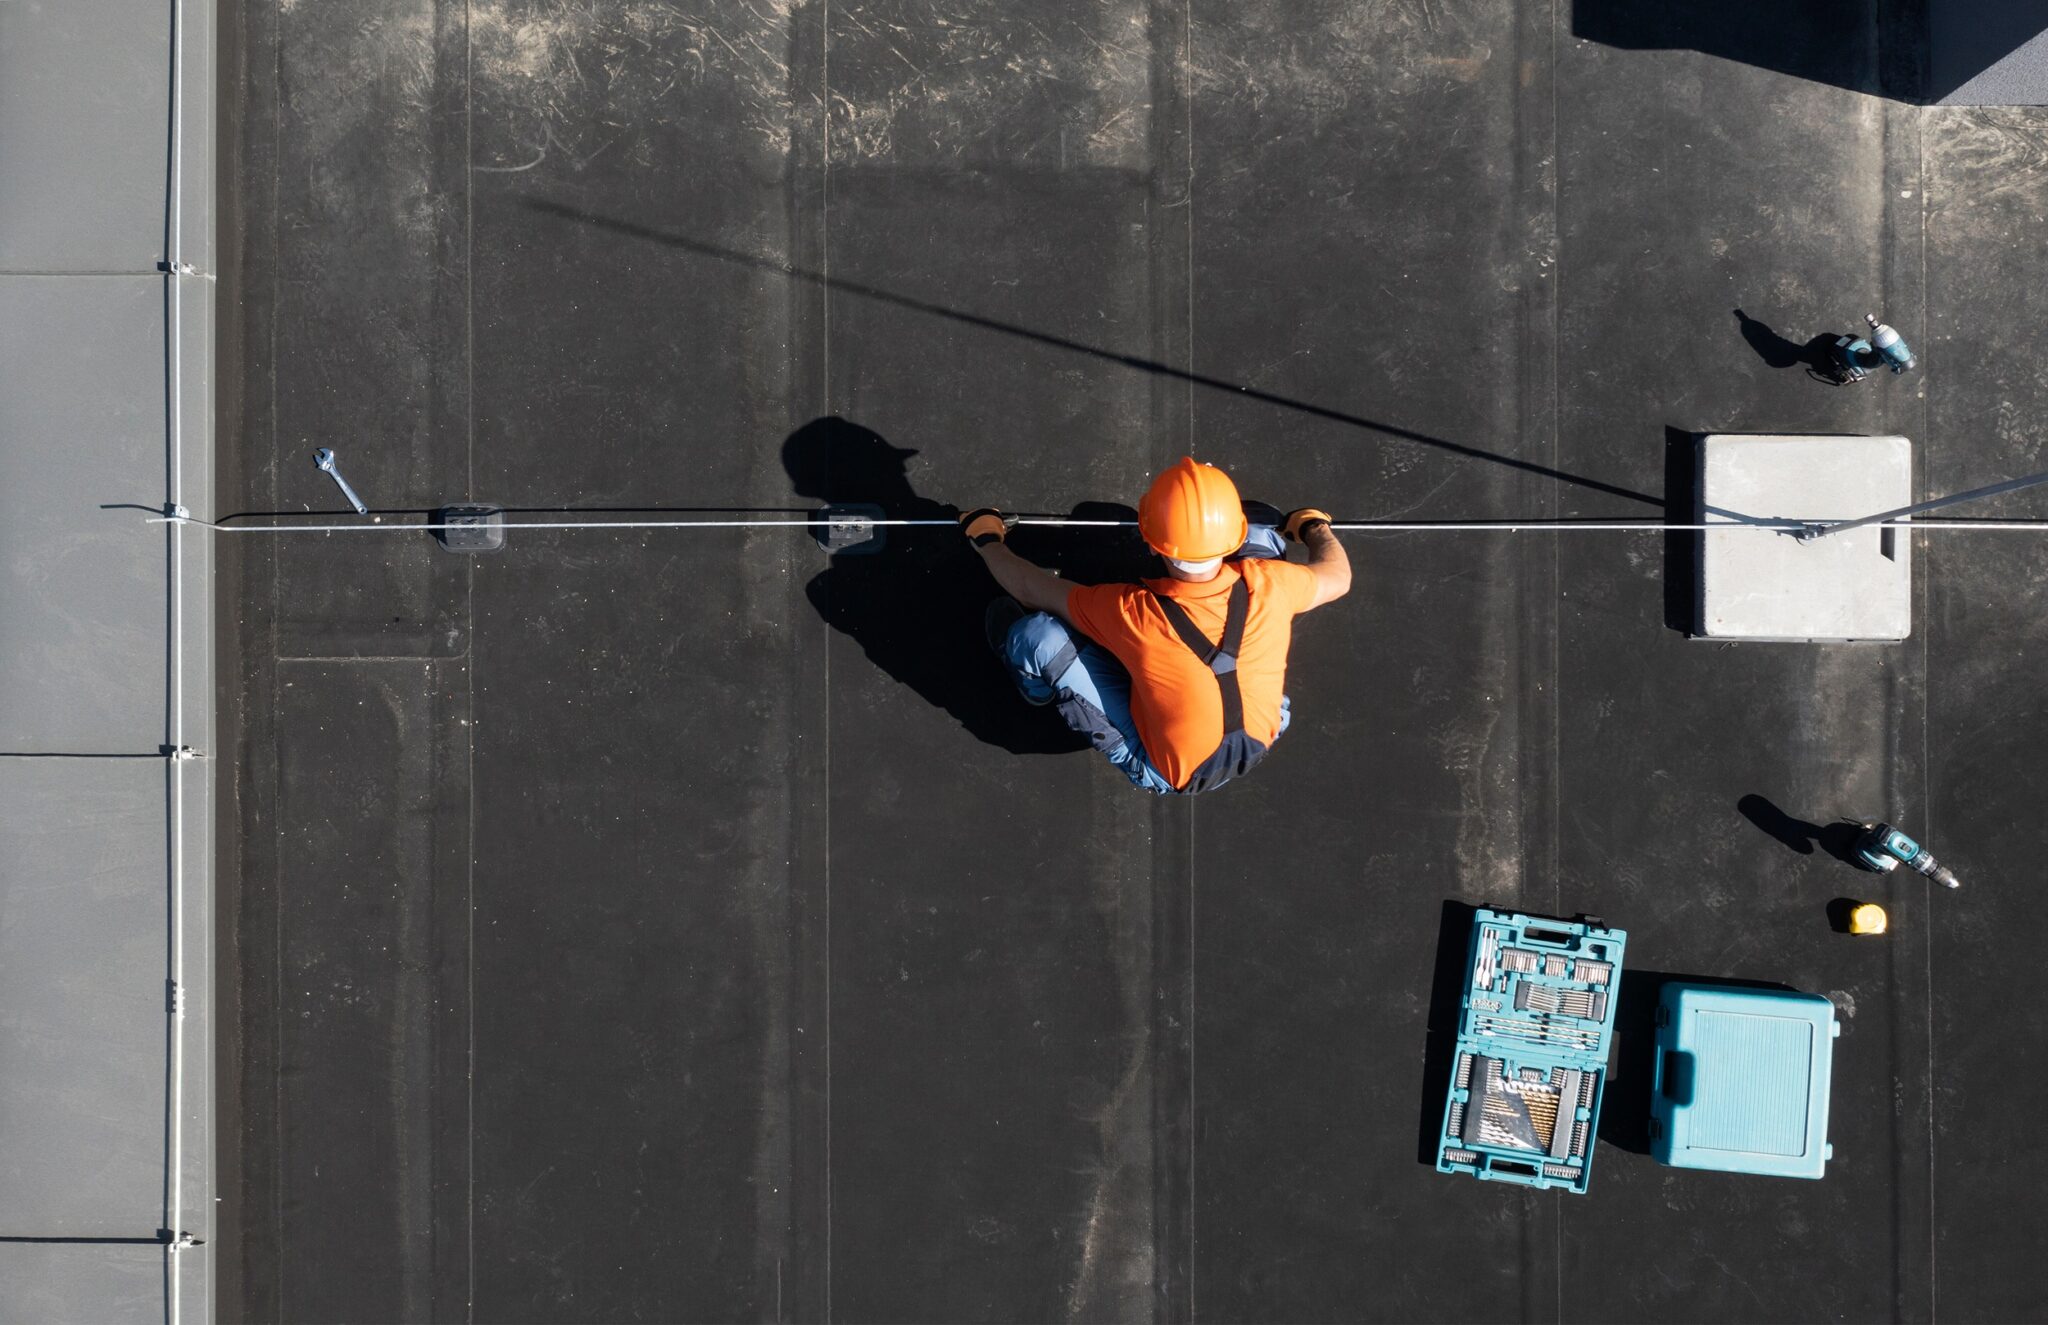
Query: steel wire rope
point(376, 525)
point(176, 270)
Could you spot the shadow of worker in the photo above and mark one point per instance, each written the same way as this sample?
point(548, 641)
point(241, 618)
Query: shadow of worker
point(915, 606)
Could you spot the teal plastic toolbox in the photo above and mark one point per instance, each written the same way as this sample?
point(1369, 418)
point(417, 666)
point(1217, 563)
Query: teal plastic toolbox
point(1742, 1080)
point(1531, 1061)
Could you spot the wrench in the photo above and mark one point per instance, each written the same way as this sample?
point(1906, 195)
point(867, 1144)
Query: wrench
point(325, 459)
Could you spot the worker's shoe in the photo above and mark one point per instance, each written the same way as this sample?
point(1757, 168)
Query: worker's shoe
point(1002, 614)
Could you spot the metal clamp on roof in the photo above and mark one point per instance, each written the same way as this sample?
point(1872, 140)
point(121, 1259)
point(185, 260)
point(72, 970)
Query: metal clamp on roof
point(471, 527)
point(849, 529)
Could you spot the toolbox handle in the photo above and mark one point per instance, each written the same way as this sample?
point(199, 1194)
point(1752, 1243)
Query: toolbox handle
point(1673, 1078)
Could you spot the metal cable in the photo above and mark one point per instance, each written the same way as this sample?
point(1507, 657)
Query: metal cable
point(1780, 526)
point(176, 1240)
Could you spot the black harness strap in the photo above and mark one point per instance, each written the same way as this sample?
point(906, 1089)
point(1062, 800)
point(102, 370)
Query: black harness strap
point(1221, 656)
point(1067, 656)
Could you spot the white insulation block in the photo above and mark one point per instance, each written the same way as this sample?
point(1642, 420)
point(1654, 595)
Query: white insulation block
point(1760, 585)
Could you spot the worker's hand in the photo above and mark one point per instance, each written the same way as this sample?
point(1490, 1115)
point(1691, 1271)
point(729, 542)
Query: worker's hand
point(983, 526)
point(1299, 522)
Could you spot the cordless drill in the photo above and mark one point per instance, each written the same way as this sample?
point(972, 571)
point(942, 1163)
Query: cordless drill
point(1884, 848)
point(1856, 357)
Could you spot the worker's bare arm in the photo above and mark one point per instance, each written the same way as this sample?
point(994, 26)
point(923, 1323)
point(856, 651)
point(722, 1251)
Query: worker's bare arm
point(1038, 590)
point(1329, 563)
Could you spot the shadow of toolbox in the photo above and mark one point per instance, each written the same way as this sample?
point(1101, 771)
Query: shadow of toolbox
point(1538, 1013)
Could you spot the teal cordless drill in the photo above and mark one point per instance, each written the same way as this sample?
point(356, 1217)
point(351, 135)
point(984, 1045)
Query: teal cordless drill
point(1884, 848)
point(1856, 357)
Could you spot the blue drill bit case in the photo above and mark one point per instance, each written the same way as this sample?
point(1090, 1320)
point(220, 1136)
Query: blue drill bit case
point(1742, 1081)
point(1531, 1059)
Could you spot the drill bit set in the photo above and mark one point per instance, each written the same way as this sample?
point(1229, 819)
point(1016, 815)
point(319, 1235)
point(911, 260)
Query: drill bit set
point(1524, 1100)
point(1509, 1108)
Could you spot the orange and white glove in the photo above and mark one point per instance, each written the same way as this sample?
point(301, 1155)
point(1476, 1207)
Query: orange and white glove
point(1298, 522)
point(984, 525)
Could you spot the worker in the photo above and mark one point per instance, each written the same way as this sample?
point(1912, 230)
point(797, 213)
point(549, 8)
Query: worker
point(1179, 681)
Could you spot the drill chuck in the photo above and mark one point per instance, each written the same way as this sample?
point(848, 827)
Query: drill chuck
point(1937, 871)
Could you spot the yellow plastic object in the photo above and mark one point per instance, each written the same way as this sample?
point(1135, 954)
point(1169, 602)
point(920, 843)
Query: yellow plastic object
point(1869, 918)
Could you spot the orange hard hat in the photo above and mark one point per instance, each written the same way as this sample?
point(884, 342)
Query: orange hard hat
point(1192, 513)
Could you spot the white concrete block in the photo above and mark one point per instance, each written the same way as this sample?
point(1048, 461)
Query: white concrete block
point(1760, 585)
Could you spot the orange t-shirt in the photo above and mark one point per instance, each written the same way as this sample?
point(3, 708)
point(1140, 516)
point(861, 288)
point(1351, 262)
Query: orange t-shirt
point(1175, 700)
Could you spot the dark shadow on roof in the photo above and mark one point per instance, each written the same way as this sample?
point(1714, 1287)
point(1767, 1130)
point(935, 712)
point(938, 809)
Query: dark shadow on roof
point(1837, 838)
point(1136, 362)
point(1777, 351)
point(1823, 41)
point(1440, 1033)
point(915, 605)
point(1908, 50)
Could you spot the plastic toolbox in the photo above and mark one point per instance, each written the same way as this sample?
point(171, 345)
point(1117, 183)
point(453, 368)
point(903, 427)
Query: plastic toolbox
point(1742, 1080)
point(1531, 1062)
